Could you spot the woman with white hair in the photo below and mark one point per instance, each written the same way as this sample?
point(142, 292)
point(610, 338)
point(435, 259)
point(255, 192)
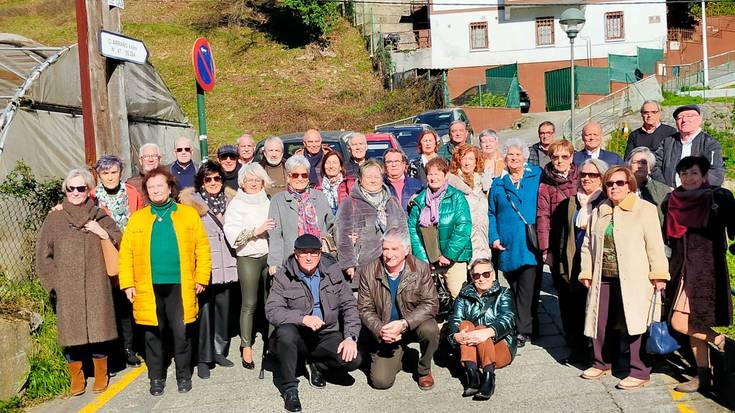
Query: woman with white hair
point(71, 266)
point(512, 213)
point(246, 228)
point(494, 163)
point(641, 161)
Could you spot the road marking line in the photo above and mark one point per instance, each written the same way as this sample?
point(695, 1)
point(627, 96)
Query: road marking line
point(113, 390)
point(683, 408)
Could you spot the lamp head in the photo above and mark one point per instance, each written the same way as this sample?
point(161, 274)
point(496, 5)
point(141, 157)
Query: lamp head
point(571, 21)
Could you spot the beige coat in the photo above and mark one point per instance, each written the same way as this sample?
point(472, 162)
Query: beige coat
point(640, 251)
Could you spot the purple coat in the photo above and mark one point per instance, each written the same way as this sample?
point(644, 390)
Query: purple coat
point(553, 190)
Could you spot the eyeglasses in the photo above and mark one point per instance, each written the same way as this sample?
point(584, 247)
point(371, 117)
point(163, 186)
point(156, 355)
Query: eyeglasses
point(564, 157)
point(208, 179)
point(649, 112)
point(545, 133)
point(682, 117)
point(229, 156)
point(81, 189)
point(393, 162)
point(183, 149)
point(313, 253)
point(296, 176)
point(476, 275)
point(589, 175)
point(611, 184)
point(150, 156)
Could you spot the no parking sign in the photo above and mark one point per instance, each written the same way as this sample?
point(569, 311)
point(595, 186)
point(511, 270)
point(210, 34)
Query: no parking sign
point(203, 62)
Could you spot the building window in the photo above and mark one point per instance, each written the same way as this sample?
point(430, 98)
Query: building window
point(614, 29)
point(478, 35)
point(544, 31)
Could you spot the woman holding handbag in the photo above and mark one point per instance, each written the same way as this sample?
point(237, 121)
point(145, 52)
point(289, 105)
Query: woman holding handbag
point(697, 217)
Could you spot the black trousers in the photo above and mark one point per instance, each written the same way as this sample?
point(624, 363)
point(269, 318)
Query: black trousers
point(170, 314)
point(319, 347)
point(572, 306)
point(84, 351)
point(215, 321)
point(123, 317)
point(525, 286)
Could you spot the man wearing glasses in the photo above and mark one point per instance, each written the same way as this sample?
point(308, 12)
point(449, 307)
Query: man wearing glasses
point(652, 133)
point(183, 168)
point(400, 185)
point(689, 140)
point(538, 152)
point(149, 159)
point(228, 156)
point(308, 299)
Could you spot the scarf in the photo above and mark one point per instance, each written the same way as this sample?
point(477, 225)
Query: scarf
point(116, 203)
point(252, 199)
point(308, 222)
point(430, 214)
point(314, 161)
point(330, 191)
point(585, 207)
point(688, 209)
point(78, 215)
point(377, 200)
point(217, 203)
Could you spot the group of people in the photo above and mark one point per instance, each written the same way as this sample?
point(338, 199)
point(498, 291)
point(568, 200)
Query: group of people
point(352, 259)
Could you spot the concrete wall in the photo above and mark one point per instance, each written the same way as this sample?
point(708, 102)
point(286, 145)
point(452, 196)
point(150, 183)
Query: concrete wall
point(493, 118)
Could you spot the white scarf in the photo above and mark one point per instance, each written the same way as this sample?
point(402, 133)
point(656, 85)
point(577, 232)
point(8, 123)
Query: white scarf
point(585, 207)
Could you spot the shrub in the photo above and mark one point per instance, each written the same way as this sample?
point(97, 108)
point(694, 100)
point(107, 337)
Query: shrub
point(487, 100)
point(318, 16)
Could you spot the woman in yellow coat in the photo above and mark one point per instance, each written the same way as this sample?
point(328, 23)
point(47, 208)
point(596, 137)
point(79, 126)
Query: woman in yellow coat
point(165, 262)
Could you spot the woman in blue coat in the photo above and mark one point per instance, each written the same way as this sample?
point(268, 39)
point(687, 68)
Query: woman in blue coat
point(512, 201)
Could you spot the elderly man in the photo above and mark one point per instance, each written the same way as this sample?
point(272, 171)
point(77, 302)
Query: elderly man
point(538, 152)
point(307, 303)
point(149, 159)
point(401, 185)
point(652, 133)
point(246, 148)
point(397, 302)
point(274, 165)
point(641, 162)
point(357, 146)
point(314, 153)
point(592, 138)
point(183, 168)
point(690, 140)
point(228, 156)
point(457, 136)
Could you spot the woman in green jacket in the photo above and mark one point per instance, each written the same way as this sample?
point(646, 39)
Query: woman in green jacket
point(483, 325)
point(440, 226)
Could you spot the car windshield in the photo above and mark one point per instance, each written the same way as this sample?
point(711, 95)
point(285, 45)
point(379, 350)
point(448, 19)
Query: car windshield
point(377, 149)
point(438, 121)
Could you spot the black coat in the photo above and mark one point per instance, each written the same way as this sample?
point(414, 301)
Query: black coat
point(669, 154)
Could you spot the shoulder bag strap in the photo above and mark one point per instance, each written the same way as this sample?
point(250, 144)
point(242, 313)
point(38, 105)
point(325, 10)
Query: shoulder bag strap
point(513, 205)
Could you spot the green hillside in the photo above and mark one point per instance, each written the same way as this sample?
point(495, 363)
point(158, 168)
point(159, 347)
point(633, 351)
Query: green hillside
point(269, 82)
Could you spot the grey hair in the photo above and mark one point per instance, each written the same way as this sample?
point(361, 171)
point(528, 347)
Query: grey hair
point(488, 132)
point(457, 122)
point(272, 140)
point(255, 169)
point(655, 102)
point(599, 164)
point(108, 161)
point(518, 144)
point(180, 138)
point(398, 234)
point(149, 145)
point(353, 136)
point(296, 161)
point(248, 136)
point(650, 157)
point(84, 173)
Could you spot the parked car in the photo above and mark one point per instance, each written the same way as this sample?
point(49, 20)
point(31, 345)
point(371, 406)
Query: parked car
point(525, 101)
point(335, 140)
point(407, 135)
point(440, 119)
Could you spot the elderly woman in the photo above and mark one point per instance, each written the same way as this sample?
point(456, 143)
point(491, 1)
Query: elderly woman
point(483, 325)
point(698, 215)
point(336, 184)
point(72, 269)
point(211, 198)
point(273, 164)
point(512, 210)
point(622, 265)
point(428, 148)
point(465, 173)
point(641, 161)
point(564, 250)
point(494, 164)
point(363, 218)
point(119, 200)
point(246, 228)
point(165, 262)
point(440, 226)
point(297, 211)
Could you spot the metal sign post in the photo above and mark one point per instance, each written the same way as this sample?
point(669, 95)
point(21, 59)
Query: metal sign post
point(204, 71)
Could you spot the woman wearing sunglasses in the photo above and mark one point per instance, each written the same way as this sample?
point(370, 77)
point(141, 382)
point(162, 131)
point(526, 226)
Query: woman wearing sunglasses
point(72, 269)
point(483, 326)
point(622, 264)
point(211, 199)
point(297, 211)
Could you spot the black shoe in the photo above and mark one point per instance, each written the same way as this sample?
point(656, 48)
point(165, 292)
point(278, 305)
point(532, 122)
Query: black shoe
point(222, 361)
point(473, 380)
point(291, 400)
point(521, 340)
point(157, 386)
point(203, 370)
point(184, 385)
point(316, 378)
point(131, 358)
point(487, 386)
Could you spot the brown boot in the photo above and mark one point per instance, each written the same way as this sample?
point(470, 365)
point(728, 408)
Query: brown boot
point(700, 382)
point(77, 378)
point(100, 375)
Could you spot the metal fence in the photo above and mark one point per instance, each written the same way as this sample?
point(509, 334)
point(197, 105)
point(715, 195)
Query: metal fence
point(19, 226)
point(690, 76)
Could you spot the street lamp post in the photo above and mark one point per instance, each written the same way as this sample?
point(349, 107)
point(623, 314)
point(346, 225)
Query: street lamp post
point(571, 21)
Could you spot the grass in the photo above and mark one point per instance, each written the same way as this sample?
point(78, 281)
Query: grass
point(672, 99)
point(730, 331)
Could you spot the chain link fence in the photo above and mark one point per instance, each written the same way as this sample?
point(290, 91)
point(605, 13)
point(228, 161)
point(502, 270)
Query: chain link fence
point(19, 226)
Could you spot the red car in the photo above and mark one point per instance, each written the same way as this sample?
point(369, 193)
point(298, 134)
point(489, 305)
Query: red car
point(378, 143)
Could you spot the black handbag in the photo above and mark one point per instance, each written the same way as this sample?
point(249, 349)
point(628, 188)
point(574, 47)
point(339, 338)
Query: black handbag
point(446, 302)
point(659, 339)
point(531, 235)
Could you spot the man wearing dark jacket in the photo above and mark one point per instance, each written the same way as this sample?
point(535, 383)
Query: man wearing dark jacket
point(652, 133)
point(592, 138)
point(398, 303)
point(538, 151)
point(308, 299)
point(690, 140)
point(401, 185)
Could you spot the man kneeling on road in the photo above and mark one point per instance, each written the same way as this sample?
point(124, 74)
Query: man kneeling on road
point(308, 298)
point(397, 302)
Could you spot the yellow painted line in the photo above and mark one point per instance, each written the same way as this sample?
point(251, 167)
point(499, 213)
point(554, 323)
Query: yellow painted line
point(113, 390)
point(683, 408)
point(676, 395)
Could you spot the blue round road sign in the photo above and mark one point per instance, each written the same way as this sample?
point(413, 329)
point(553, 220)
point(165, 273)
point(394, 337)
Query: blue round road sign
point(203, 62)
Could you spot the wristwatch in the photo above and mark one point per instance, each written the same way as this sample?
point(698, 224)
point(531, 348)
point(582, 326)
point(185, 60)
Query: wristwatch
point(353, 338)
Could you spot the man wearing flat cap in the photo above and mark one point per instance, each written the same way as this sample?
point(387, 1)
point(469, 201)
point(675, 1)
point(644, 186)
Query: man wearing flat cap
point(690, 140)
point(308, 299)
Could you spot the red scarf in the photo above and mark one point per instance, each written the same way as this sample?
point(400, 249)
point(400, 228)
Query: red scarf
point(688, 209)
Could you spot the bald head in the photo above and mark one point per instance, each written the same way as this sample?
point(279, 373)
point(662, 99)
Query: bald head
point(592, 136)
point(312, 141)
